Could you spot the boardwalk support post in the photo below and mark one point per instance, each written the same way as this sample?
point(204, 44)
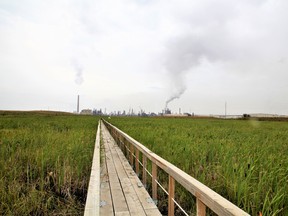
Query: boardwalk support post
point(171, 192)
point(201, 208)
point(144, 174)
point(154, 182)
point(137, 161)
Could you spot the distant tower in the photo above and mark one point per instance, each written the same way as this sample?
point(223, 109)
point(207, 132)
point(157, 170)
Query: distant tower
point(78, 100)
point(225, 109)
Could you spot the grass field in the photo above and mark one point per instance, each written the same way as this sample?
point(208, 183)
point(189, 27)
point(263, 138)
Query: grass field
point(45, 162)
point(243, 160)
point(45, 159)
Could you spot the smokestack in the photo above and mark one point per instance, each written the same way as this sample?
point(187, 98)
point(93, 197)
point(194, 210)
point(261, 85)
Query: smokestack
point(78, 99)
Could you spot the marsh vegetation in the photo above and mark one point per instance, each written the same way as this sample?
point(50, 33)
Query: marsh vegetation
point(45, 162)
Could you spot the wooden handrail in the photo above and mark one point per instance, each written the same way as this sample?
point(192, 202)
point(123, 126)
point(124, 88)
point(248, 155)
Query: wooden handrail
point(205, 197)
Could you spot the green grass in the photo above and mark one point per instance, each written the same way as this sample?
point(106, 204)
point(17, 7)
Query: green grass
point(45, 162)
point(244, 161)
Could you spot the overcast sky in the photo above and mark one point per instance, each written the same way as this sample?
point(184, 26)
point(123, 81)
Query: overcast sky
point(123, 54)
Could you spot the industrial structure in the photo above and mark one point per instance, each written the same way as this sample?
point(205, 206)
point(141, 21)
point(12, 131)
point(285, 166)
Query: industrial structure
point(78, 101)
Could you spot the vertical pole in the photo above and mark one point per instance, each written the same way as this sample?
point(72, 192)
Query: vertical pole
point(201, 208)
point(154, 183)
point(171, 192)
point(225, 109)
point(137, 161)
point(126, 149)
point(118, 140)
point(144, 174)
point(131, 154)
point(122, 144)
point(78, 101)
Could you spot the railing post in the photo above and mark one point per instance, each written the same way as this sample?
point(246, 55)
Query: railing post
point(154, 183)
point(144, 174)
point(118, 139)
point(125, 148)
point(131, 154)
point(201, 208)
point(137, 161)
point(171, 193)
point(123, 145)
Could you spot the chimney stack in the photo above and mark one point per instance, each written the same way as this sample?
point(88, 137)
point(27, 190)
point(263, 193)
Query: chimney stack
point(78, 99)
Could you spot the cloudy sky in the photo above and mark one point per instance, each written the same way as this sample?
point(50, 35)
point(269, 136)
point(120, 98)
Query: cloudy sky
point(143, 54)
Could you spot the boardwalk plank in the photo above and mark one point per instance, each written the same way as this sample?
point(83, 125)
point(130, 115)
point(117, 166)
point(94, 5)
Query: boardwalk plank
point(143, 196)
point(106, 206)
point(125, 186)
point(139, 188)
point(125, 213)
point(131, 197)
point(118, 198)
point(133, 202)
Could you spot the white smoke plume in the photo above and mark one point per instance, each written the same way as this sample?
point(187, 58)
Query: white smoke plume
point(177, 95)
point(184, 53)
point(206, 37)
point(79, 72)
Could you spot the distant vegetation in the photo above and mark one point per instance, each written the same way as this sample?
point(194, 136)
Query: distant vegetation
point(34, 113)
point(45, 162)
point(244, 161)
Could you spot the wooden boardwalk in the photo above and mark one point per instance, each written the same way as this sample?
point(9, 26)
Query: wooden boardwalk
point(117, 190)
point(121, 191)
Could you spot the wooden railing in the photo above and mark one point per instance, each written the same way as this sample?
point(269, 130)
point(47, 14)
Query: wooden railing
point(205, 197)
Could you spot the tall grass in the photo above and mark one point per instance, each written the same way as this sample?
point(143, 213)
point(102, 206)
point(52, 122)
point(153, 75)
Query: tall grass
point(45, 163)
point(244, 161)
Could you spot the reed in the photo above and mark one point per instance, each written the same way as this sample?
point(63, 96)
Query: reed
point(45, 162)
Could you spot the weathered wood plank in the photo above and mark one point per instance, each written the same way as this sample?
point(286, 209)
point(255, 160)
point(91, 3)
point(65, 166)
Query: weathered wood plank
point(134, 205)
point(119, 201)
point(118, 198)
point(93, 194)
point(106, 206)
point(124, 213)
point(132, 200)
point(144, 197)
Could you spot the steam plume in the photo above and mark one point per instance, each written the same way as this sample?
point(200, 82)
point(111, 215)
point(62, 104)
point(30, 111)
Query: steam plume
point(183, 54)
point(175, 96)
point(79, 72)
